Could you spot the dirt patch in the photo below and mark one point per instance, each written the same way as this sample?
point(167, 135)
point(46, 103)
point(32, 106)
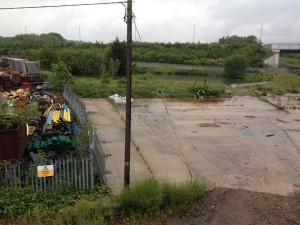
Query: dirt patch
point(241, 207)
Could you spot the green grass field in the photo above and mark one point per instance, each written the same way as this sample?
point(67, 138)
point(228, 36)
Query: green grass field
point(290, 61)
point(142, 86)
point(165, 68)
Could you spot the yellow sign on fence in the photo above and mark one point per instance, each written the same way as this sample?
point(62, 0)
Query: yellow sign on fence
point(45, 171)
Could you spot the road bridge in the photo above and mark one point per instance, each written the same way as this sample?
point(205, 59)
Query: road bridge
point(279, 49)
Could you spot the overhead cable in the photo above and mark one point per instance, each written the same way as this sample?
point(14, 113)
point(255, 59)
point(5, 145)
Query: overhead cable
point(59, 6)
point(134, 17)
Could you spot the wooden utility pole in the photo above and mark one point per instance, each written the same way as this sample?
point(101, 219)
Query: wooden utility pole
point(128, 95)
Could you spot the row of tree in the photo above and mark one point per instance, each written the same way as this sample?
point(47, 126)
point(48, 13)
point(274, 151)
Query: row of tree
point(110, 59)
point(212, 54)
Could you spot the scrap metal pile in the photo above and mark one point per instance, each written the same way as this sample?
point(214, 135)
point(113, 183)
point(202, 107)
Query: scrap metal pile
point(52, 129)
point(56, 130)
point(14, 72)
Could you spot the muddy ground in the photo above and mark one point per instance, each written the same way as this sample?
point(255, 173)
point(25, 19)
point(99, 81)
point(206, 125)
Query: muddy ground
point(242, 207)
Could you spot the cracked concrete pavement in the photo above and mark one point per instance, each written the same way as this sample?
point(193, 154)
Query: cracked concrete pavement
point(239, 142)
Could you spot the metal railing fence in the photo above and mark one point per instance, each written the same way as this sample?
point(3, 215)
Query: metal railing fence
point(76, 104)
point(68, 172)
point(96, 149)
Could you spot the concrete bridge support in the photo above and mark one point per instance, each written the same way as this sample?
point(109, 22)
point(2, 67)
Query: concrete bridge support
point(274, 59)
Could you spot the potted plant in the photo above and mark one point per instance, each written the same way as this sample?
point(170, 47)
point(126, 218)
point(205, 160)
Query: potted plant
point(13, 130)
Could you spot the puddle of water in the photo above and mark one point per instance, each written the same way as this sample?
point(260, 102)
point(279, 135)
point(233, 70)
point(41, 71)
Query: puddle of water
point(238, 89)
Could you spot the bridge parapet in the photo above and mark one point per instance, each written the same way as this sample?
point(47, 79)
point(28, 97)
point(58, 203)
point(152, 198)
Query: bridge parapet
point(278, 49)
point(283, 46)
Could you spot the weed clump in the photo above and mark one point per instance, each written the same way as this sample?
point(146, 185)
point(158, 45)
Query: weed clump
point(141, 197)
point(152, 196)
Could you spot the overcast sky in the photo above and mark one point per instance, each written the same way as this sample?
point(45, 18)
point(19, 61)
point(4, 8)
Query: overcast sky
point(158, 20)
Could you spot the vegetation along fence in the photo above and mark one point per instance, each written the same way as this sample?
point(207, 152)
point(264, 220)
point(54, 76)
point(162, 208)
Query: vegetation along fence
point(95, 146)
point(67, 172)
point(98, 154)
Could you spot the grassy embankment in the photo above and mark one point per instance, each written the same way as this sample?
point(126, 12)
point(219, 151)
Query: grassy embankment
point(164, 68)
point(294, 62)
point(145, 199)
point(143, 85)
point(283, 83)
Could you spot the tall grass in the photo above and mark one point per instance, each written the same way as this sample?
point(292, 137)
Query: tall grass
point(152, 196)
point(178, 70)
point(284, 83)
point(256, 77)
point(142, 86)
point(290, 61)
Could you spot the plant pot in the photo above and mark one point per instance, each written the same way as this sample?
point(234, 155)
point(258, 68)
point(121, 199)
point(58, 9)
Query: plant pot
point(13, 143)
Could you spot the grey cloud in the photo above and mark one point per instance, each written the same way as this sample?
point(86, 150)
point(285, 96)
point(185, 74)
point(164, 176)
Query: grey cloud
point(160, 20)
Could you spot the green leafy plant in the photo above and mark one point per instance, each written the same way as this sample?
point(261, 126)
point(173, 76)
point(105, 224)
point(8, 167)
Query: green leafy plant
point(19, 116)
point(203, 91)
point(16, 201)
point(61, 76)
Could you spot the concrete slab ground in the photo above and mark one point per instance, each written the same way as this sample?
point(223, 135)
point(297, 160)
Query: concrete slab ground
point(110, 130)
point(240, 142)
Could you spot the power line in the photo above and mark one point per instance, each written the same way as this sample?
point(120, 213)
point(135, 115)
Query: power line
point(136, 28)
point(59, 6)
point(178, 141)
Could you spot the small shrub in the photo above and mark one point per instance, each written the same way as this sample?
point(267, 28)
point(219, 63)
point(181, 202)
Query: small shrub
point(235, 66)
point(205, 91)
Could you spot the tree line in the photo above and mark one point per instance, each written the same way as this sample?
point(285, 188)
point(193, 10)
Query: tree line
point(86, 58)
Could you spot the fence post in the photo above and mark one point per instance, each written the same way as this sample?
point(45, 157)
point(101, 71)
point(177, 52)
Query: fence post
point(91, 172)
